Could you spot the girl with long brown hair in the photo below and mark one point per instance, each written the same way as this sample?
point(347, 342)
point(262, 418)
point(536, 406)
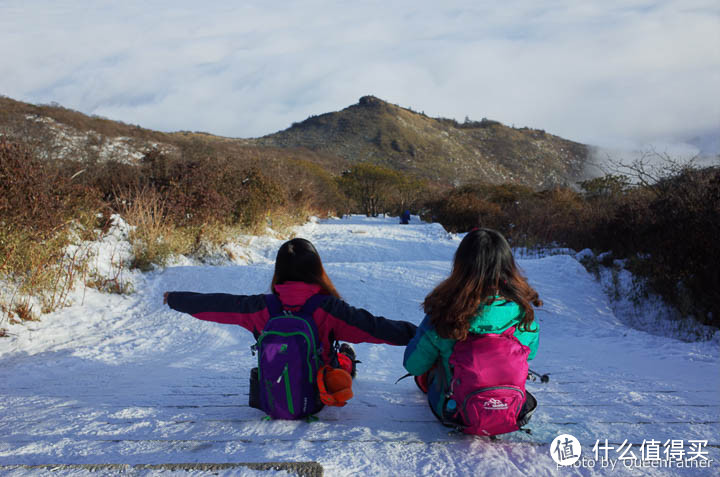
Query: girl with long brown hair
point(485, 293)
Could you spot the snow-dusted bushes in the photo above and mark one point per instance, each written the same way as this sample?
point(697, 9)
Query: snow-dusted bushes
point(180, 206)
point(634, 304)
point(667, 231)
point(42, 211)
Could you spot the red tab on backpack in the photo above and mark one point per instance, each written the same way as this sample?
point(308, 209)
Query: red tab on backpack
point(509, 332)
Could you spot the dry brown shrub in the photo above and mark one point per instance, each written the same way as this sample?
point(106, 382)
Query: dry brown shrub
point(464, 210)
point(35, 196)
point(154, 238)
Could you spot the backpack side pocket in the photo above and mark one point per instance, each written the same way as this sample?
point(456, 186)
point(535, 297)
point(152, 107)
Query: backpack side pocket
point(254, 398)
point(492, 410)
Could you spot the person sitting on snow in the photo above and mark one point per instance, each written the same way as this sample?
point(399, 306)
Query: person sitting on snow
point(298, 282)
point(479, 321)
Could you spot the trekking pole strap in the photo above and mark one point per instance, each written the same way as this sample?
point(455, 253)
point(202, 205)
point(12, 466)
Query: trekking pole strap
point(403, 377)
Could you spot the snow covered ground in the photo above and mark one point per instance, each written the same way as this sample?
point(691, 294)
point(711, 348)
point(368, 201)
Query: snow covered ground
point(123, 379)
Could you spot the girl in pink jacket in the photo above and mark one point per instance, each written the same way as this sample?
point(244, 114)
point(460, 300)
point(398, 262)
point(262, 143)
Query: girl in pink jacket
point(299, 276)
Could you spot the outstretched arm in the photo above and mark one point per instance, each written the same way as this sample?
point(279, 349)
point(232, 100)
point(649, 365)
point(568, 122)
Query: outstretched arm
point(248, 311)
point(356, 325)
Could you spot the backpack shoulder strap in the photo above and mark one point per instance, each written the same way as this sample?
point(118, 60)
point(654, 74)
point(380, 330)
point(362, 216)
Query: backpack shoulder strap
point(273, 304)
point(510, 332)
point(307, 311)
point(313, 303)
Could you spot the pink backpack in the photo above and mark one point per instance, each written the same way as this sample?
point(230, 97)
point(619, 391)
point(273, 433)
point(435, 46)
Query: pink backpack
point(488, 382)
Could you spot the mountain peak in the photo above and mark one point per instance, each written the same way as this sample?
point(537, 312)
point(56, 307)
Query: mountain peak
point(439, 149)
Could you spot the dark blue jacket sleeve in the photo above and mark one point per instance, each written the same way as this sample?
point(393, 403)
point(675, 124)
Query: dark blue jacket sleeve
point(248, 311)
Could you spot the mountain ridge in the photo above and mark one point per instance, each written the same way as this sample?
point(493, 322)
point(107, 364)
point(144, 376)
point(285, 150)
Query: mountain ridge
point(373, 130)
point(438, 149)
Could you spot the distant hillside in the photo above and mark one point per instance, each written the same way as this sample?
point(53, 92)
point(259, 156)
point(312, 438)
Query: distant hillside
point(435, 148)
point(373, 130)
point(61, 133)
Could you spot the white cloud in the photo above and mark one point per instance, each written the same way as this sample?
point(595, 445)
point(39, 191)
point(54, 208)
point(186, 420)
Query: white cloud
point(609, 73)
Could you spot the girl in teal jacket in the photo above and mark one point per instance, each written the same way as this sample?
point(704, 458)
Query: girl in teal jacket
point(485, 293)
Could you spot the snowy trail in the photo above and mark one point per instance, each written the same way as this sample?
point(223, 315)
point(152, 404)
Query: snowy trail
point(126, 380)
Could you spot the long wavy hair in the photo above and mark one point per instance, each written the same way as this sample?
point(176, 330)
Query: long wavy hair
point(299, 261)
point(483, 269)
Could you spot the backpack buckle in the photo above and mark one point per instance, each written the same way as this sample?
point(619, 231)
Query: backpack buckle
point(455, 431)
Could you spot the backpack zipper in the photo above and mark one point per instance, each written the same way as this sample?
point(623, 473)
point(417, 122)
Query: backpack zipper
point(288, 391)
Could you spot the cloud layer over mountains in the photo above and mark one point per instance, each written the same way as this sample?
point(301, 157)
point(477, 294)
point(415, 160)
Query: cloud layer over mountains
point(619, 73)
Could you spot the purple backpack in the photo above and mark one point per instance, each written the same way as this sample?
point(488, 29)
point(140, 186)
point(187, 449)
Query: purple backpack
point(289, 356)
point(488, 382)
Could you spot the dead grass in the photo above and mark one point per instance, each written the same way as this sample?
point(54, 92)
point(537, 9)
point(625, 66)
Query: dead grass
point(24, 311)
point(154, 238)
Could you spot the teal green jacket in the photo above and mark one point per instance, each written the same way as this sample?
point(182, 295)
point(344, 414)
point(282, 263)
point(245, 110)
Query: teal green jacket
point(426, 348)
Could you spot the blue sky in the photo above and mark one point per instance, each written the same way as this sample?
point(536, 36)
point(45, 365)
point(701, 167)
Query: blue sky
point(611, 73)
